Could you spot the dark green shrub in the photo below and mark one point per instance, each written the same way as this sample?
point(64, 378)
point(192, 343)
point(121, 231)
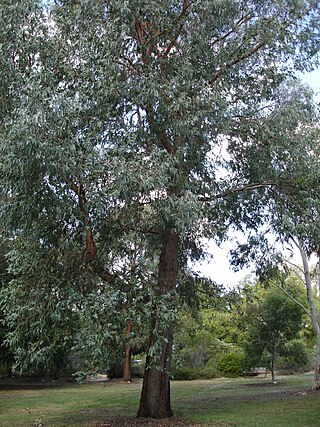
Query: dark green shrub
point(208, 372)
point(185, 374)
point(231, 364)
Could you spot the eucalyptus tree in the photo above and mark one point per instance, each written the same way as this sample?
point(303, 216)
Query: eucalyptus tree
point(292, 215)
point(313, 303)
point(118, 126)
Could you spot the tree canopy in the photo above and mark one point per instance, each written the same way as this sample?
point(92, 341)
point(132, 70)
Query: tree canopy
point(151, 125)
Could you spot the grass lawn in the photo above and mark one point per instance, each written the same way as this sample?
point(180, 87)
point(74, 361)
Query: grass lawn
point(222, 402)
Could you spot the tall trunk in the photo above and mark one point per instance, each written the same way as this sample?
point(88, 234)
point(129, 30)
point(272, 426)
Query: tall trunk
point(316, 383)
point(155, 395)
point(273, 375)
point(127, 377)
point(315, 319)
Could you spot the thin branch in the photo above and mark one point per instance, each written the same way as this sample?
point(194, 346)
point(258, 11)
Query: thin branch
point(256, 111)
point(185, 6)
point(291, 297)
point(295, 265)
point(246, 187)
point(91, 249)
point(237, 25)
point(237, 60)
point(130, 65)
point(161, 134)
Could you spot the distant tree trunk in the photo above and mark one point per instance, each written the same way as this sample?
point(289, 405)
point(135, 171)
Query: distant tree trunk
point(155, 395)
point(315, 319)
point(127, 377)
point(9, 371)
point(316, 383)
point(273, 375)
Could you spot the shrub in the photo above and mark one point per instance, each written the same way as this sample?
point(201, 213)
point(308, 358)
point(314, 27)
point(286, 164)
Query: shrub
point(208, 372)
point(231, 364)
point(185, 374)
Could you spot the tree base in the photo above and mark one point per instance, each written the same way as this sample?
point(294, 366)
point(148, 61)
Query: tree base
point(155, 396)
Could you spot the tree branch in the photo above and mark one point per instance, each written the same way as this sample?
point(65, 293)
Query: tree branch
point(91, 249)
point(237, 25)
point(290, 296)
point(184, 8)
point(246, 187)
point(237, 60)
point(161, 134)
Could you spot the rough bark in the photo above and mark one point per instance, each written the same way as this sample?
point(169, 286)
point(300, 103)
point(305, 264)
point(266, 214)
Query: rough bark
point(155, 395)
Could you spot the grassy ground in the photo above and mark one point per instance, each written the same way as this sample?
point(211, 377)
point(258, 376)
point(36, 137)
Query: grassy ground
point(250, 402)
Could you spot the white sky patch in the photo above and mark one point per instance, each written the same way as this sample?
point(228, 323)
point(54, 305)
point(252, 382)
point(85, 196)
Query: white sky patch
point(217, 267)
point(313, 80)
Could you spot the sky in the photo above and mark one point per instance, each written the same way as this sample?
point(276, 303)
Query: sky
point(218, 267)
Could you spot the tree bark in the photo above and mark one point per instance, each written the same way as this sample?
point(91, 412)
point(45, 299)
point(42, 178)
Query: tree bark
point(155, 395)
point(313, 313)
point(127, 366)
point(273, 376)
point(316, 383)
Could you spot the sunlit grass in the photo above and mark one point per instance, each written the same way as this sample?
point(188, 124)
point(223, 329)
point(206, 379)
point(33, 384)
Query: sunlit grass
point(241, 402)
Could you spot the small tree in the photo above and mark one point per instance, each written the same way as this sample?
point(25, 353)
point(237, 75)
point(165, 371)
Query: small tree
point(275, 321)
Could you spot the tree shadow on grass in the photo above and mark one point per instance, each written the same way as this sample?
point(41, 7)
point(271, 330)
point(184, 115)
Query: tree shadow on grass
point(168, 422)
point(31, 383)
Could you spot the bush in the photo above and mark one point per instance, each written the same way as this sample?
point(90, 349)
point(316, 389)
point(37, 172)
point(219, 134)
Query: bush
point(231, 364)
point(185, 374)
point(208, 372)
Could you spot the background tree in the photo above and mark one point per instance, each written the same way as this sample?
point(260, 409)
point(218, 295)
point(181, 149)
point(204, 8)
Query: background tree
point(293, 218)
point(314, 309)
point(6, 356)
point(275, 322)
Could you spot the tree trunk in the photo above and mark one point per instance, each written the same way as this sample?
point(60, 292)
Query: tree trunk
point(315, 317)
point(273, 376)
point(127, 365)
point(316, 383)
point(155, 395)
point(127, 356)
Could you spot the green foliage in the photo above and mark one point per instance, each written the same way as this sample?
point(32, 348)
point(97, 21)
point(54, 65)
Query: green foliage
point(113, 118)
point(210, 370)
point(6, 355)
point(185, 374)
point(295, 357)
point(231, 364)
point(275, 321)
